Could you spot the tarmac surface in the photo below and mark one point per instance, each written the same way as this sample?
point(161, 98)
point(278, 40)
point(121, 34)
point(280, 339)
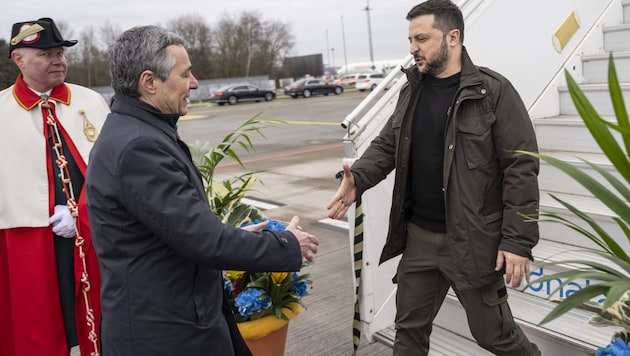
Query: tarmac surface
point(301, 184)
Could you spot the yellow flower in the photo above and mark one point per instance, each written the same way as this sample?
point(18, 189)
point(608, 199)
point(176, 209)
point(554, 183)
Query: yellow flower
point(234, 275)
point(278, 277)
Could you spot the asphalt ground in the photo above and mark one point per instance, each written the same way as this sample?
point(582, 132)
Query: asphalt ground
point(301, 183)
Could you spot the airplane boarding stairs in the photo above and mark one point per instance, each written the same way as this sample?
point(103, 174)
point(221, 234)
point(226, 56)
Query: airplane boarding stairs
point(560, 132)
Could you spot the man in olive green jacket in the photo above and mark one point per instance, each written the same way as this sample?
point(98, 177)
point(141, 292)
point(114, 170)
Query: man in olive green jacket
point(460, 189)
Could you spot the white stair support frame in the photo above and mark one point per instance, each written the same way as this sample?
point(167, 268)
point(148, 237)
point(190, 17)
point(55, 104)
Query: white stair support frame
point(528, 59)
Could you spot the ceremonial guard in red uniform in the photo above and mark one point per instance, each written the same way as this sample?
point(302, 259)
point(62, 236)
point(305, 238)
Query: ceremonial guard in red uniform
point(49, 278)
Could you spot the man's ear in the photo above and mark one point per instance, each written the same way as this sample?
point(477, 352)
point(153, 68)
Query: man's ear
point(18, 58)
point(452, 37)
point(146, 83)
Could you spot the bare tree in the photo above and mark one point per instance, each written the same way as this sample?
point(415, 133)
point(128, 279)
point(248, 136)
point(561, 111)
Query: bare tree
point(198, 36)
point(248, 46)
point(238, 46)
point(228, 48)
point(8, 70)
point(88, 61)
point(108, 34)
point(276, 43)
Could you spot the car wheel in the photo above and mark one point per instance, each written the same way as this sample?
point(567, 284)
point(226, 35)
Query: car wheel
point(268, 97)
point(373, 87)
point(338, 90)
point(361, 90)
point(307, 93)
point(221, 104)
point(294, 96)
point(232, 100)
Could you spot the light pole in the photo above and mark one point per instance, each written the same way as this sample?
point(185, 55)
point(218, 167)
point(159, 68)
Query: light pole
point(333, 59)
point(327, 48)
point(367, 10)
point(343, 35)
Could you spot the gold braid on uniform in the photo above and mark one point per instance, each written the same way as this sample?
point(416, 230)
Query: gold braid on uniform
point(64, 175)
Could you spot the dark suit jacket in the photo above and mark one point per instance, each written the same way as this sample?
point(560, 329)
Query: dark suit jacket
point(160, 247)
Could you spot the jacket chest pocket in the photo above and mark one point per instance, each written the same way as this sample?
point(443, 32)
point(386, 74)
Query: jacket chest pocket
point(474, 133)
point(396, 122)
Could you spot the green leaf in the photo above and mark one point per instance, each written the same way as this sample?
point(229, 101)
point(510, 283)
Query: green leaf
point(612, 276)
point(598, 128)
point(573, 301)
point(616, 97)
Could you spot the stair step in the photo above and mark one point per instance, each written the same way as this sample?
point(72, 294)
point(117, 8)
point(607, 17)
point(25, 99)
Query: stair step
point(597, 94)
point(569, 332)
point(617, 38)
point(589, 205)
point(550, 251)
point(567, 133)
point(568, 335)
point(552, 179)
point(595, 67)
point(443, 342)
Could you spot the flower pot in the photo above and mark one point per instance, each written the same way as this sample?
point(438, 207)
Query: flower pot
point(267, 336)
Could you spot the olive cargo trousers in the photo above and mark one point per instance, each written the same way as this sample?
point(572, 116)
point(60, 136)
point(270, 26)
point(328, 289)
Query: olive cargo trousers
point(424, 277)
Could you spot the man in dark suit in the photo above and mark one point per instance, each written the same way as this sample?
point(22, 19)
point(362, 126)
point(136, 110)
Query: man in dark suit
point(161, 249)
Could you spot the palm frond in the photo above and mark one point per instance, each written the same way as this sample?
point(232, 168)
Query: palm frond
point(610, 270)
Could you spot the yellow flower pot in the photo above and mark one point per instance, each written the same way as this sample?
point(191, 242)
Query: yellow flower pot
point(267, 336)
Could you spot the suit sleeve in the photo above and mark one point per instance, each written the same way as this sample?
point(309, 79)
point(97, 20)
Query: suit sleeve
point(157, 190)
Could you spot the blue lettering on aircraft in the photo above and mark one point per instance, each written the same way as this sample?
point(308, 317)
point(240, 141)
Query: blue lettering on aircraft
point(547, 288)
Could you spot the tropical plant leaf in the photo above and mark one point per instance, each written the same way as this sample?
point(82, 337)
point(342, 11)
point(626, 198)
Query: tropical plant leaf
point(616, 97)
point(617, 205)
point(616, 291)
point(225, 196)
point(611, 245)
point(614, 182)
point(610, 271)
point(599, 130)
point(573, 301)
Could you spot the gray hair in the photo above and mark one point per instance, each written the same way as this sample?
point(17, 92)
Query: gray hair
point(136, 50)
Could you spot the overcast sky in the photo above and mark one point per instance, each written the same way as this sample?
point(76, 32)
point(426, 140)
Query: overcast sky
point(309, 20)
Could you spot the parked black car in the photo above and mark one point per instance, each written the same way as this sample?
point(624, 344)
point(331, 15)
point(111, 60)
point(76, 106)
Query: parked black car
point(235, 93)
point(308, 87)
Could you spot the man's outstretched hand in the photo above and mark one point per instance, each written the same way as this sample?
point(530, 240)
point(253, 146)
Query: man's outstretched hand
point(344, 197)
point(308, 242)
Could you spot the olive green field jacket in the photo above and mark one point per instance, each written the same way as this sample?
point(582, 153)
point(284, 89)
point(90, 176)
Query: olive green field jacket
point(487, 186)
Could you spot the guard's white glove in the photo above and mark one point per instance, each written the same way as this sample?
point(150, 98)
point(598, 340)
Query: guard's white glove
point(63, 222)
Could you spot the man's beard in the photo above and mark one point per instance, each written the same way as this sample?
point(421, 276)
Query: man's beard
point(437, 65)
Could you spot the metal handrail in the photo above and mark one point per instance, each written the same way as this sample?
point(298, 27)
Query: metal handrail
point(374, 96)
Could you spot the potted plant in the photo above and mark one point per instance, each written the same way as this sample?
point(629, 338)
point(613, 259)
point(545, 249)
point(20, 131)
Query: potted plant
point(262, 302)
point(613, 277)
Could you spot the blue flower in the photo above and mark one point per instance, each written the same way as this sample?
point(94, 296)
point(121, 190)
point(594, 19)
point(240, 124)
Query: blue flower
point(274, 225)
point(299, 288)
point(249, 301)
point(615, 348)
